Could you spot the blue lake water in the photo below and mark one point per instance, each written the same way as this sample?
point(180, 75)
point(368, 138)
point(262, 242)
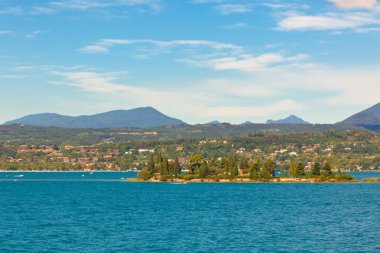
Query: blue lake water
point(50, 212)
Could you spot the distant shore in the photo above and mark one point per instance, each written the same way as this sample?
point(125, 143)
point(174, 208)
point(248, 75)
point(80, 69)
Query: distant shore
point(62, 171)
point(249, 181)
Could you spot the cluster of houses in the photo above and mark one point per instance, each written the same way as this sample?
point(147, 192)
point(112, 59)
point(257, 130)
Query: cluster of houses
point(92, 157)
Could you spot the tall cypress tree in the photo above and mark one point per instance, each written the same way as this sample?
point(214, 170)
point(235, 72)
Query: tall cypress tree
point(166, 166)
point(316, 171)
point(176, 167)
point(300, 169)
point(244, 165)
point(327, 169)
point(150, 166)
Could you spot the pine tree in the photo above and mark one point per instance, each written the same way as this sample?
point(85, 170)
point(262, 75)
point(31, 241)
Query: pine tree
point(176, 167)
point(327, 169)
point(166, 166)
point(150, 166)
point(300, 169)
point(316, 171)
point(254, 171)
point(235, 171)
point(204, 170)
point(244, 165)
point(268, 169)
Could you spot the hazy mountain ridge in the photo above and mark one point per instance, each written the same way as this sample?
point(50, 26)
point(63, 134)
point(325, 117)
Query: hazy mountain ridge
point(291, 119)
point(143, 117)
point(370, 116)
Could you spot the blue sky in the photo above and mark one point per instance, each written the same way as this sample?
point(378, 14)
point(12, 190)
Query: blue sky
point(197, 60)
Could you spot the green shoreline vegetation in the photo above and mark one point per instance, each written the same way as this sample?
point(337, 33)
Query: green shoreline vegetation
point(230, 169)
point(322, 156)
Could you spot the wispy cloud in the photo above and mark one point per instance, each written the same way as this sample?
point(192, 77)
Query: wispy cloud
point(58, 6)
point(34, 34)
point(246, 62)
point(355, 4)
point(332, 21)
point(236, 26)
point(205, 54)
point(6, 32)
point(104, 45)
point(226, 9)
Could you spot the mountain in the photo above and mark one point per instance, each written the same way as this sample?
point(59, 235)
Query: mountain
point(142, 117)
point(289, 120)
point(215, 122)
point(246, 123)
point(370, 116)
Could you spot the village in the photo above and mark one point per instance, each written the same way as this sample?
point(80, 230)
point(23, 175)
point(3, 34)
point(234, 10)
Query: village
point(349, 155)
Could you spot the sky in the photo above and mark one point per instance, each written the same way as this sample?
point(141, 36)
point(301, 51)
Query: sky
point(196, 60)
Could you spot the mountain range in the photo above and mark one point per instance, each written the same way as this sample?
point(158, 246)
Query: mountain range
point(146, 117)
point(143, 117)
point(289, 120)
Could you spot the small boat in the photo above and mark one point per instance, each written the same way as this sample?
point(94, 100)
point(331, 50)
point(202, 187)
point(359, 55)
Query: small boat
point(19, 176)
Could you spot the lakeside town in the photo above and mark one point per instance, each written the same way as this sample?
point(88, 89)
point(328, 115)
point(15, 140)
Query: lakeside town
point(346, 151)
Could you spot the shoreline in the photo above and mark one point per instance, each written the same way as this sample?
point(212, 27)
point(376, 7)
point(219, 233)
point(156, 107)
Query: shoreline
point(248, 181)
point(63, 171)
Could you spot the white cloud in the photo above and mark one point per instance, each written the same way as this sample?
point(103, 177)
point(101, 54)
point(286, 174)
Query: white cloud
point(236, 26)
point(79, 4)
point(109, 8)
point(94, 49)
point(246, 62)
point(226, 9)
point(329, 22)
point(103, 45)
point(355, 4)
point(34, 34)
point(38, 10)
point(6, 32)
point(203, 54)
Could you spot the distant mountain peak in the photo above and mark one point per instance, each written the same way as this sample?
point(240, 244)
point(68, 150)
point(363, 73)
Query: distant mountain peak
point(291, 119)
point(246, 123)
point(370, 116)
point(214, 122)
point(143, 117)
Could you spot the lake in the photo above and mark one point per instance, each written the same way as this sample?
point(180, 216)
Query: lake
point(83, 212)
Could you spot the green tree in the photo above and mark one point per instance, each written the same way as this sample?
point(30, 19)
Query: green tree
point(327, 169)
point(300, 170)
point(244, 167)
point(195, 163)
point(150, 166)
point(144, 175)
point(316, 171)
point(176, 167)
point(267, 171)
point(297, 169)
point(165, 163)
point(254, 170)
point(204, 170)
point(293, 169)
point(235, 171)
